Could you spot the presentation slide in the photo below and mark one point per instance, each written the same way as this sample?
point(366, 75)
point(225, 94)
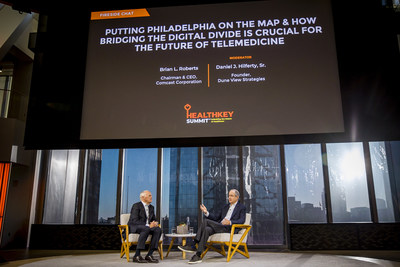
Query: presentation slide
point(238, 69)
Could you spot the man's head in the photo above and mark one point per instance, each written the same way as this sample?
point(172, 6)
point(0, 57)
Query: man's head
point(146, 197)
point(233, 196)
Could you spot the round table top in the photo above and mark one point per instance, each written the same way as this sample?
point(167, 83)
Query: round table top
point(180, 235)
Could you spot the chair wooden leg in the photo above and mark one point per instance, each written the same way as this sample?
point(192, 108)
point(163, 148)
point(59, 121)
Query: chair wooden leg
point(205, 251)
point(122, 250)
point(230, 253)
point(238, 244)
point(127, 251)
point(232, 249)
point(236, 249)
point(246, 251)
point(223, 250)
point(220, 251)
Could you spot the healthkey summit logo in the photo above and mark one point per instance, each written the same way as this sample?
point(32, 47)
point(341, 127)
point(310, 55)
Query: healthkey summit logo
point(207, 116)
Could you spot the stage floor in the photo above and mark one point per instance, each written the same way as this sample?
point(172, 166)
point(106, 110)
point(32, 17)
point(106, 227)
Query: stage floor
point(31, 258)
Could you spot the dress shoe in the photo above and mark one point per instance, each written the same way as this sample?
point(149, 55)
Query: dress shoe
point(151, 259)
point(139, 259)
point(195, 259)
point(187, 248)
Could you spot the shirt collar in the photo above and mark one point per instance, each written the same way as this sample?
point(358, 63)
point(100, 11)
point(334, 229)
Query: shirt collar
point(233, 205)
point(144, 204)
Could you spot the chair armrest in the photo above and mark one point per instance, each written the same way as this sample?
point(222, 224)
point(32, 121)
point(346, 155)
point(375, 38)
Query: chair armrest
point(242, 226)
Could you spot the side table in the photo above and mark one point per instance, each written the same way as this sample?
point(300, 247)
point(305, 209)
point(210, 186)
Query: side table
point(183, 236)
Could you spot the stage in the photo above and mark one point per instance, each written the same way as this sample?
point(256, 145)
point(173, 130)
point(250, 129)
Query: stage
point(212, 259)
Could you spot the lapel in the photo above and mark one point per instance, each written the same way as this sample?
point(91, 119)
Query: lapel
point(151, 210)
point(225, 210)
point(144, 210)
point(235, 210)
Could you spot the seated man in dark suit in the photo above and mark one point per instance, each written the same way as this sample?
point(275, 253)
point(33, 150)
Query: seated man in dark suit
point(143, 221)
point(219, 222)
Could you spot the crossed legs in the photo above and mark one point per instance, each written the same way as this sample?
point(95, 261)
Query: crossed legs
point(207, 228)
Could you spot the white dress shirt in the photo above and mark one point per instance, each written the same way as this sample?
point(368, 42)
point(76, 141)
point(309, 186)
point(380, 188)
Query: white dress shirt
point(146, 208)
point(230, 211)
point(228, 214)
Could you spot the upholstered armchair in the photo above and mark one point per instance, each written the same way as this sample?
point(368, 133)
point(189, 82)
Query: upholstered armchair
point(128, 240)
point(231, 240)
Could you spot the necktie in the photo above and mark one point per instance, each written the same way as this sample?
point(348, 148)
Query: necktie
point(146, 208)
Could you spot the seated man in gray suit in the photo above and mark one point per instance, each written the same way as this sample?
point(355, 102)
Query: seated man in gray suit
point(219, 222)
point(143, 221)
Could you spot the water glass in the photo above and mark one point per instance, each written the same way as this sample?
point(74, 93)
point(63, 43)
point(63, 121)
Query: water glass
point(190, 230)
point(173, 230)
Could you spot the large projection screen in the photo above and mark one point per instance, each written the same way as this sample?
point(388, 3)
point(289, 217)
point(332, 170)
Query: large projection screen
point(237, 69)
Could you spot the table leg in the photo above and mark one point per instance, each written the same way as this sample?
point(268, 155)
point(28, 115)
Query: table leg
point(183, 244)
point(170, 246)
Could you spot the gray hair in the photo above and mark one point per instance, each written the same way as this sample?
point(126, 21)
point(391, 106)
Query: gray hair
point(143, 193)
point(236, 192)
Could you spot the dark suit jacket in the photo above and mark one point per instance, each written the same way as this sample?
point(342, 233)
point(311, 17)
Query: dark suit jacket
point(238, 215)
point(138, 216)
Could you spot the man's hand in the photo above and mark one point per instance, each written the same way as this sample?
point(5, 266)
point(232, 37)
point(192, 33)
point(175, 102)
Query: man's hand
point(203, 208)
point(226, 222)
point(153, 224)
